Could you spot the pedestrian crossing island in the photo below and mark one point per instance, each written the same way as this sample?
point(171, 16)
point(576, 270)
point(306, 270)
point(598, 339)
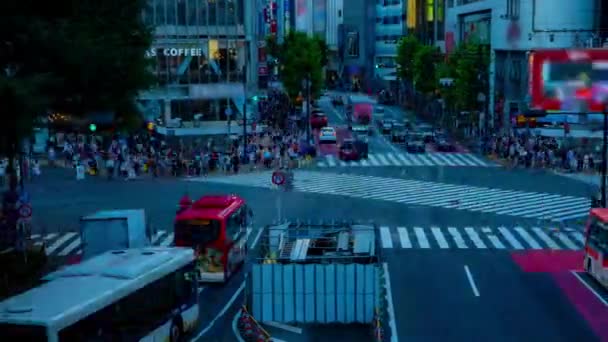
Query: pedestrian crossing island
point(408, 159)
point(492, 238)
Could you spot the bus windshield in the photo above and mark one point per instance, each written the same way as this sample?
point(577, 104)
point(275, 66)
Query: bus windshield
point(598, 236)
point(196, 232)
point(13, 332)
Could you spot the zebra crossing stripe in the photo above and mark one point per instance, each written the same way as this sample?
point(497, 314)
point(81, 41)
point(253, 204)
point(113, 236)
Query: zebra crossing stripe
point(167, 241)
point(495, 240)
point(545, 238)
point(385, 235)
point(443, 243)
point(67, 237)
point(528, 238)
point(566, 241)
point(407, 159)
point(477, 241)
point(404, 237)
point(460, 243)
point(510, 238)
point(579, 237)
point(421, 237)
point(71, 247)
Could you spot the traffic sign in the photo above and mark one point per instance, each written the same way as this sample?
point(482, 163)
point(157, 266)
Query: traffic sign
point(278, 178)
point(25, 211)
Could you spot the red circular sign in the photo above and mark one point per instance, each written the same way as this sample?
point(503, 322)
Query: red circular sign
point(278, 178)
point(25, 211)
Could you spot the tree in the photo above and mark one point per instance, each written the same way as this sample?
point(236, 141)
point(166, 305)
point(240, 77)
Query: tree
point(75, 57)
point(323, 50)
point(406, 50)
point(471, 62)
point(423, 69)
point(300, 58)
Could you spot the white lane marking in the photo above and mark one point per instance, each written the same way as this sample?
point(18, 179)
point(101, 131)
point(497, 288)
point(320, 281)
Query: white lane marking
point(578, 237)
point(285, 327)
point(167, 241)
point(235, 329)
point(590, 288)
point(477, 241)
point(221, 313)
point(460, 243)
point(421, 237)
point(47, 237)
point(546, 239)
point(385, 235)
point(443, 244)
point(156, 239)
point(512, 240)
point(389, 301)
point(404, 237)
point(471, 281)
point(67, 237)
point(528, 238)
point(71, 247)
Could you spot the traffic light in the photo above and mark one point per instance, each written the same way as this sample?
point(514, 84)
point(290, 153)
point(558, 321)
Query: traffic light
point(92, 127)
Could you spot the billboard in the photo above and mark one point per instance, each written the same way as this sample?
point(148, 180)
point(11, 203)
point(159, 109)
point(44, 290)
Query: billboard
point(568, 81)
point(319, 12)
point(302, 15)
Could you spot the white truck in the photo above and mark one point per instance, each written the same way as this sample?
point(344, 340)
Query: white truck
point(113, 229)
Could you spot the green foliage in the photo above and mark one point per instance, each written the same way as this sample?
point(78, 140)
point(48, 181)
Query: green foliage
point(300, 58)
point(424, 70)
point(74, 56)
point(470, 63)
point(406, 50)
point(323, 50)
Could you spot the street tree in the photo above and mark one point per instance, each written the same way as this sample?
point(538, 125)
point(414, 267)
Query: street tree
point(406, 50)
point(423, 69)
point(300, 59)
point(75, 57)
point(323, 49)
point(471, 62)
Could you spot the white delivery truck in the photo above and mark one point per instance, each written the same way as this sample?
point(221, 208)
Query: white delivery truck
point(113, 229)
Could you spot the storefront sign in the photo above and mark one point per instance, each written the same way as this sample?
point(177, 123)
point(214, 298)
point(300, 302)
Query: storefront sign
point(174, 52)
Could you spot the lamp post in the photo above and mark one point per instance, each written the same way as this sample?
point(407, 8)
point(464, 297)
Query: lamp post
point(306, 84)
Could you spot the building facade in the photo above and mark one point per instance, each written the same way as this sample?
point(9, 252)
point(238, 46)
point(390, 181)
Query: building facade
point(203, 53)
point(512, 28)
point(357, 44)
point(390, 26)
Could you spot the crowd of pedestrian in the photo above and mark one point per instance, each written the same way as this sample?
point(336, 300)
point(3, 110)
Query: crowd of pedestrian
point(529, 151)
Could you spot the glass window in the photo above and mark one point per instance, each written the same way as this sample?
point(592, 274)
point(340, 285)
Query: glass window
point(235, 223)
point(159, 7)
point(148, 13)
point(598, 237)
point(212, 12)
point(181, 12)
point(192, 11)
point(171, 12)
point(13, 332)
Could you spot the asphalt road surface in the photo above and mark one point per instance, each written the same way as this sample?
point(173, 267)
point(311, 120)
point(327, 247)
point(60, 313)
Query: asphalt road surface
point(433, 220)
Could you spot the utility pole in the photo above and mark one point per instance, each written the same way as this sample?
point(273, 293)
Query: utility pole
point(245, 69)
point(604, 153)
point(308, 105)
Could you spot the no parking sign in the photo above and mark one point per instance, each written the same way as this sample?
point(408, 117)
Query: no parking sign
point(278, 178)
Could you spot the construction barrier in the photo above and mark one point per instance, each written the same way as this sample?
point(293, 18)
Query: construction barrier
point(249, 329)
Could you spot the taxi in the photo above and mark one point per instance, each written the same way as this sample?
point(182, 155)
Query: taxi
point(327, 135)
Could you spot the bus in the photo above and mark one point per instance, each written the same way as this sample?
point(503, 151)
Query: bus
point(359, 110)
point(217, 228)
point(596, 245)
point(146, 294)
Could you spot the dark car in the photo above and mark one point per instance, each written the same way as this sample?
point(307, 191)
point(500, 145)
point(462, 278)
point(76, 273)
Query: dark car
point(443, 145)
point(318, 119)
point(427, 132)
point(398, 132)
point(348, 151)
point(415, 143)
point(386, 126)
point(362, 147)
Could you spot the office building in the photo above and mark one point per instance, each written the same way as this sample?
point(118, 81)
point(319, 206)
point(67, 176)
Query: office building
point(202, 52)
point(357, 43)
point(389, 28)
point(512, 28)
point(426, 21)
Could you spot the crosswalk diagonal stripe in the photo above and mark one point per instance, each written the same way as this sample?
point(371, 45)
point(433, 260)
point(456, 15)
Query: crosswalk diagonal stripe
point(69, 249)
point(404, 237)
point(156, 239)
point(423, 242)
point(527, 238)
point(167, 241)
point(510, 238)
point(460, 243)
point(474, 236)
point(545, 238)
point(496, 243)
point(60, 242)
point(443, 243)
point(561, 236)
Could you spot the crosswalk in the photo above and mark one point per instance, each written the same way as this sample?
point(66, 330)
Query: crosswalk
point(408, 159)
point(505, 238)
point(69, 243)
point(531, 205)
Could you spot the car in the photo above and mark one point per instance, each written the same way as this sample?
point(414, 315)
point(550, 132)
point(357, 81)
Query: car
point(361, 144)
point(378, 111)
point(337, 101)
point(318, 119)
point(443, 145)
point(415, 143)
point(362, 130)
point(327, 135)
point(386, 126)
point(351, 149)
point(398, 132)
point(427, 131)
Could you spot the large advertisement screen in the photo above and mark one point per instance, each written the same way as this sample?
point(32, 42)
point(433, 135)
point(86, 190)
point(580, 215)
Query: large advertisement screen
point(569, 81)
point(302, 15)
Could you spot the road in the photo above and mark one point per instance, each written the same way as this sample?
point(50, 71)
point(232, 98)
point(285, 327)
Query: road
point(434, 219)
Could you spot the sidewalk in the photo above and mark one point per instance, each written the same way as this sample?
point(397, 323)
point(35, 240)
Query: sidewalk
point(587, 178)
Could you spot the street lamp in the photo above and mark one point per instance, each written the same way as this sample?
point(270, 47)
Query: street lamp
point(306, 84)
